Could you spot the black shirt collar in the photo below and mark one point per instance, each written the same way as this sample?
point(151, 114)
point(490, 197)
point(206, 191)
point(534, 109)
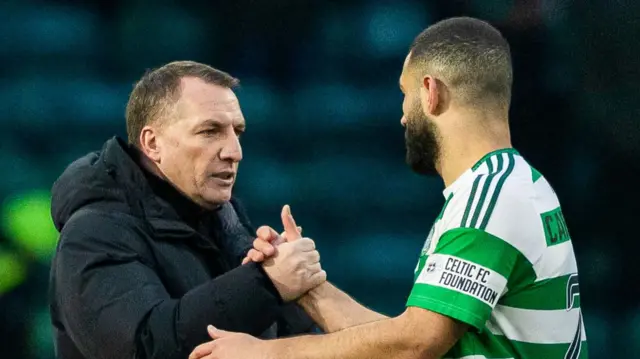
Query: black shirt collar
point(189, 211)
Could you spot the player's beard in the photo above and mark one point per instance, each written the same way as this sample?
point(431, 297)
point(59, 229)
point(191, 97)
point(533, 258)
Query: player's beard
point(422, 142)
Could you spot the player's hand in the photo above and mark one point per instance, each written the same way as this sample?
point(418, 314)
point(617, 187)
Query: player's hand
point(267, 240)
point(230, 345)
point(295, 268)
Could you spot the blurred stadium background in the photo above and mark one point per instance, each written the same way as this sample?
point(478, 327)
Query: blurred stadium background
point(319, 91)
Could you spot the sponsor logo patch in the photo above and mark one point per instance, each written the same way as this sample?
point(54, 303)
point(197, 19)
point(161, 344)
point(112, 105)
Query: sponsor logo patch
point(463, 276)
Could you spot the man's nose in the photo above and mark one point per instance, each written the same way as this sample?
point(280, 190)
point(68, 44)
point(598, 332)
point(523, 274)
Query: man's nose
point(232, 150)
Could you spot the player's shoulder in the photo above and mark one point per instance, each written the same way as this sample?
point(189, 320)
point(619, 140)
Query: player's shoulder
point(497, 197)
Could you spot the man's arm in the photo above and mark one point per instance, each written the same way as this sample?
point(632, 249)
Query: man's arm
point(334, 310)
point(114, 305)
point(416, 334)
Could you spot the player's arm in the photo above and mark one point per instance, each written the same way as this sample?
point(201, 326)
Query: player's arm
point(334, 310)
point(455, 290)
point(415, 334)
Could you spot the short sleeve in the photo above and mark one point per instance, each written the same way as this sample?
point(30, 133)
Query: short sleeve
point(465, 276)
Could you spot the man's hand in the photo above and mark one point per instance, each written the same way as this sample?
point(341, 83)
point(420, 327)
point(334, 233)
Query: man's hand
point(295, 269)
point(229, 345)
point(294, 265)
point(264, 246)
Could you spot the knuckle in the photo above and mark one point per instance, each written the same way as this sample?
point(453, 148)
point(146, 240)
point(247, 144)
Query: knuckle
point(258, 245)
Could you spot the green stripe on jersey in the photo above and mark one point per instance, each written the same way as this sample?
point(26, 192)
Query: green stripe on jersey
point(492, 252)
point(444, 207)
point(493, 153)
point(479, 247)
point(472, 195)
point(500, 175)
point(485, 190)
point(494, 198)
point(440, 300)
point(548, 294)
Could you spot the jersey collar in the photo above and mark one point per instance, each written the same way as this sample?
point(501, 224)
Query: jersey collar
point(470, 173)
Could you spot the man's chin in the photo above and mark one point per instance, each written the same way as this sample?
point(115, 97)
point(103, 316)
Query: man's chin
point(218, 197)
point(423, 169)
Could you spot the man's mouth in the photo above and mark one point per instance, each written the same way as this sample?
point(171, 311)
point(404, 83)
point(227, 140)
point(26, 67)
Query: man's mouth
point(224, 177)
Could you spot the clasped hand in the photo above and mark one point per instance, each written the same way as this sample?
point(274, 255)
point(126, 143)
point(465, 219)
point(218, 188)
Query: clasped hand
point(293, 265)
point(291, 261)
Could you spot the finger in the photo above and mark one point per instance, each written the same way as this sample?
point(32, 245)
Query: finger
point(318, 278)
point(267, 233)
point(314, 268)
point(263, 246)
point(305, 244)
point(255, 256)
point(290, 228)
point(216, 333)
point(313, 257)
point(202, 350)
point(246, 260)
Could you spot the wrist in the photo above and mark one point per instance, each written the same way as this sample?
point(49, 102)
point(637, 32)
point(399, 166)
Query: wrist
point(313, 295)
point(268, 282)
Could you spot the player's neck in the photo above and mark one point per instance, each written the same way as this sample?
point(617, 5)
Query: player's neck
point(463, 150)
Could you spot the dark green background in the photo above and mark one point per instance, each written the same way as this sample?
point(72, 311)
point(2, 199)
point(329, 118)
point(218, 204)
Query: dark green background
point(320, 95)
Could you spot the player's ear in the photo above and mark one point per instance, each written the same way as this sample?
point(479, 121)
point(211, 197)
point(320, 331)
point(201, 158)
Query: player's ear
point(433, 94)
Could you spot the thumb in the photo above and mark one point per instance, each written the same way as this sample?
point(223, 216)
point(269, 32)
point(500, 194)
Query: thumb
point(216, 333)
point(290, 228)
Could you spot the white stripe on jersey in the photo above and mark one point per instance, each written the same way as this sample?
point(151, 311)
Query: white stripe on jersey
point(556, 261)
point(535, 326)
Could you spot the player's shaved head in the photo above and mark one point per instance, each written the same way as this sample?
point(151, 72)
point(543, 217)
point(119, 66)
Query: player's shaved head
point(469, 56)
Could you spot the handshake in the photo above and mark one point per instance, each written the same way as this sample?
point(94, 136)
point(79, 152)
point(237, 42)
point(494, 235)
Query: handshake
point(291, 261)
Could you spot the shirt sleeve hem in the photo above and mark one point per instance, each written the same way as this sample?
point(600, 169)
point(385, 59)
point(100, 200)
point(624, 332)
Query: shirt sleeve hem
point(447, 309)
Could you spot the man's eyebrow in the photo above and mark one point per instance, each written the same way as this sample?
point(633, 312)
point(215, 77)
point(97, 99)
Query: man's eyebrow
point(210, 122)
point(215, 123)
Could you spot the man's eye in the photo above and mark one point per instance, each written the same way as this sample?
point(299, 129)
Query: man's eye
point(208, 132)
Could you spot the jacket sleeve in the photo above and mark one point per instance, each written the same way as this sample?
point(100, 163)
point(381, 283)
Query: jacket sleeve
point(295, 321)
point(113, 304)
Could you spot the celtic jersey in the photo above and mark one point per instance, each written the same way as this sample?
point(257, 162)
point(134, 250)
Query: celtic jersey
point(499, 257)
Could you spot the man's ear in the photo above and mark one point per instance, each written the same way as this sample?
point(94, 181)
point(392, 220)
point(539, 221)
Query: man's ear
point(433, 95)
point(149, 143)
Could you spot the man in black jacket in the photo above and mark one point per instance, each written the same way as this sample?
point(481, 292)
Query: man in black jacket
point(151, 240)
